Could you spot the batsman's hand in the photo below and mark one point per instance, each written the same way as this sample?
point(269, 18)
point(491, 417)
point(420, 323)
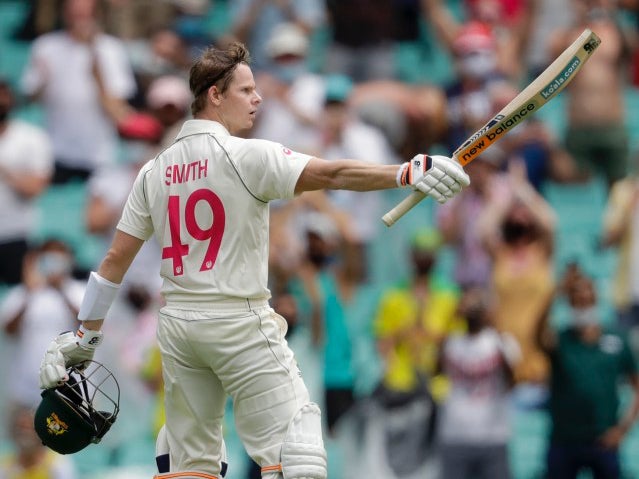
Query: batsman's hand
point(437, 176)
point(68, 349)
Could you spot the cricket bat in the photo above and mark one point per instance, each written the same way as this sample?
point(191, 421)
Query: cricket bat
point(540, 91)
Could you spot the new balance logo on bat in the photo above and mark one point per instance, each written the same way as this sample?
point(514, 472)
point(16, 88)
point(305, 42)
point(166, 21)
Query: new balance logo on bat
point(501, 128)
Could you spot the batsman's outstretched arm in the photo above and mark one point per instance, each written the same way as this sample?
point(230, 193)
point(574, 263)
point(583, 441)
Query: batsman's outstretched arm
point(436, 176)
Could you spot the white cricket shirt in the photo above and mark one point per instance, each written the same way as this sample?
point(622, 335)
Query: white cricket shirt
point(206, 199)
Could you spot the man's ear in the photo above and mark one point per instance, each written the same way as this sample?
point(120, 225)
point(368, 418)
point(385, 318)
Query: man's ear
point(214, 95)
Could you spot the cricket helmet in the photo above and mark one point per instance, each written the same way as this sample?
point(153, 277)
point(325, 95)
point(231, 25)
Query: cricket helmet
point(80, 411)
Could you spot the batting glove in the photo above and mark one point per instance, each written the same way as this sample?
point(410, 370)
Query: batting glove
point(66, 350)
point(437, 176)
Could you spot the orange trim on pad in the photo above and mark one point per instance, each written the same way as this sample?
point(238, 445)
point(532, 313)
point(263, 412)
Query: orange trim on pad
point(172, 475)
point(276, 468)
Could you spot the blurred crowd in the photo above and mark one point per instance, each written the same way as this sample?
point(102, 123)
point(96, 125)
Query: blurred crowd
point(423, 343)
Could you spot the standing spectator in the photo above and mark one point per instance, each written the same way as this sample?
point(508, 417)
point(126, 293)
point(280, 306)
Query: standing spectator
point(26, 164)
point(30, 458)
point(509, 23)
point(458, 220)
point(343, 135)
point(596, 134)
point(474, 426)
point(60, 75)
point(518, 233)
point(414, 316)
point(169, 99)
point(588, 362)
point(469, 104)
point(293, 95)
point(620, 223)
point(44, 304)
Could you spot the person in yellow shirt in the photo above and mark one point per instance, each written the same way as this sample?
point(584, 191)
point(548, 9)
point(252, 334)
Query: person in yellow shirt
point(29, 458)
point(414, 317)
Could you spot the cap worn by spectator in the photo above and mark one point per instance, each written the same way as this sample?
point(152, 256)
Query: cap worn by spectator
point(426, 240)
point(287, 39)
point(169, 90)
point(338, 88)
point(474, 36)
point(322, 226)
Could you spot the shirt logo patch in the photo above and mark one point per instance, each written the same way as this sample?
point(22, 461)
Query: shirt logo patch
point(610, 344)
point(286, 151)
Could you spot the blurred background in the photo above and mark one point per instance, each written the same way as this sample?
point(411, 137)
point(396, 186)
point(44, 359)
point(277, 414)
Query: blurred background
point(494, 336)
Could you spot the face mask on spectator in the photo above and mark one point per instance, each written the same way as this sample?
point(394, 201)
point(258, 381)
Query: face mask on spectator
point(478, 64)
point(53, 264)
point(585, 316)
point(290, 71)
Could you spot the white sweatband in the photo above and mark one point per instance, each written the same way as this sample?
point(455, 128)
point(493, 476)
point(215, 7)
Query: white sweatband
point(98, 297)
point(88, 338)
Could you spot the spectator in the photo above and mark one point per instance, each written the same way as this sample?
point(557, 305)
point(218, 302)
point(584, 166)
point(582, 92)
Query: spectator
point(344, 135)
point(458, 219)
point(328, 291)
point(509, 23)
point(413, 317)
point(588, 362)
point(169, 99)
point(595, 111)
point(518, 232)
point(254, 23)
point(163, 52)
point(60, 75)
point(29, 458)
point(26, 164)
point(44, 304)
point(292, 95)
point(475, 423)
point(469, 103)
point(620, 231)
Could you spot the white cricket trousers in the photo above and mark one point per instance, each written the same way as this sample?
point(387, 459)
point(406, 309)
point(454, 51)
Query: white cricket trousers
point(240, 350)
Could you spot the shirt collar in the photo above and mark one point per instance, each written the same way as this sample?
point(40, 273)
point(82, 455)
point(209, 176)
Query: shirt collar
point(195, 127)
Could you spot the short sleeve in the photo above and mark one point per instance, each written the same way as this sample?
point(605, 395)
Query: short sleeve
point(136, 217)
point(270, 169)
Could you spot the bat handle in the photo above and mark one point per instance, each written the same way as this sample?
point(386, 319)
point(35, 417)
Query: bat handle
point(403, 207)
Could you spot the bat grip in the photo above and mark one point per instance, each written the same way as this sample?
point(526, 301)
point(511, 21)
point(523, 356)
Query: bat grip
point(403, 207)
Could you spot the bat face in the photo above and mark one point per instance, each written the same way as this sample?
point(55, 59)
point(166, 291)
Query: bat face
point(545, 87)
point(541, 90)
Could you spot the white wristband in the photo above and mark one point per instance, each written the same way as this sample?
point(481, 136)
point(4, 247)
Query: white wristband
point(88, 338)
point(98, 297)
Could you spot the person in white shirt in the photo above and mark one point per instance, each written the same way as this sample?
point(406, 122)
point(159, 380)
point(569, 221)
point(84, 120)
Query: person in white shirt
point(206, 200)
point(26, 165)
point(45, 303)
point(475, 423)
point(59, 74)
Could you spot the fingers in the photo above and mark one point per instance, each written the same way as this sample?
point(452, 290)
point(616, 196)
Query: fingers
point(443, 180)
point(52, 370)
